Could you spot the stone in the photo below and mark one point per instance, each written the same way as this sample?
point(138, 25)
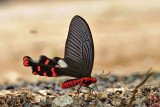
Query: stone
point(63, 100)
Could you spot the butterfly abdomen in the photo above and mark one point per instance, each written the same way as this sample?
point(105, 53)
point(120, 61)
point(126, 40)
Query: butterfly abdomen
point(71, 83)
point(82, 81)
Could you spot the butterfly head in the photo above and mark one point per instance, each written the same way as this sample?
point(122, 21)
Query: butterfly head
point(94, 80)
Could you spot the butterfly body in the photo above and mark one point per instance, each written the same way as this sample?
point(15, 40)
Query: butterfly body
point(85, 81)
point(77, 61)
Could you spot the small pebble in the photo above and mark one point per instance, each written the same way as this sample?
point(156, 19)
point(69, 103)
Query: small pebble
point(63, 100)
point(102, 96)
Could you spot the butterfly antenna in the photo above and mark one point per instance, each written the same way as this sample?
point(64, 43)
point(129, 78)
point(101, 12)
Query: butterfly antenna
point(99, 76)
point(102, 74)
point(106, 74)
point(96, 87)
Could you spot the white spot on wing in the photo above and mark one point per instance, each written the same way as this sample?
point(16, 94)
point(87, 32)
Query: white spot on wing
point(62, 63)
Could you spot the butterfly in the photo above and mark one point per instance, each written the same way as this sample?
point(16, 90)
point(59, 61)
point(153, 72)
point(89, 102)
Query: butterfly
point(78, 58)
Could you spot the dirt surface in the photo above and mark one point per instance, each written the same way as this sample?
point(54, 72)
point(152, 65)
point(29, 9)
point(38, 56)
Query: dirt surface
point(126, 34)
point(110, 91)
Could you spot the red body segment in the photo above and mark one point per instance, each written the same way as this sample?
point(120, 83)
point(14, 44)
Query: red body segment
point(70, 83)
point(82, 81)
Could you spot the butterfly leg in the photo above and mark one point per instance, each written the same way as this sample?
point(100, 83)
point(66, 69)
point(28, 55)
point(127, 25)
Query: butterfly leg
point(91, 90)
point(78, 90)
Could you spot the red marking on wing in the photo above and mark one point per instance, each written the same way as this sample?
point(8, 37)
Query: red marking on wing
point(26, 63)
point(25, 58)
point(47, 61)
point(44, 74)
point(53, 72)
point(34, 72)
point(39, 68)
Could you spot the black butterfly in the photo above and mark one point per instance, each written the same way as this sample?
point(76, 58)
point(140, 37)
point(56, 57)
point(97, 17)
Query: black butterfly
point(77, 61)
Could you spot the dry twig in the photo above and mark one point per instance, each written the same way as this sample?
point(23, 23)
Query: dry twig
point(135, 90)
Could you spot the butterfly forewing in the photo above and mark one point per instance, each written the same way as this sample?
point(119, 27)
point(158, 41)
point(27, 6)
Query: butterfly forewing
point(79, 45)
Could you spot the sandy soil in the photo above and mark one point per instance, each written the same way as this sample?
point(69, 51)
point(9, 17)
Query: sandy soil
point(126, 34)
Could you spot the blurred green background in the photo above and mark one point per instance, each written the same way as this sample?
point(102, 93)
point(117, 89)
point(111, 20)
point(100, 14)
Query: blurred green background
point(126, 34)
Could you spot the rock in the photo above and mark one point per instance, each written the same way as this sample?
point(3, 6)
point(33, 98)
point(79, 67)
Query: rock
point(10, 87)
point(116, 102)
point(119, 92)
point(107, 105)
point(78, 101)
point(140, 100)
point(102, 96)
point(36, 106)
point(4, 92)
point(85, 90)
point(37, 99)
point(45, 104)
point(50, 98)
point(43, 92)
point(101, 88)
point(4, 105)
point(63, 100)
point(41, 104)
point(34, 88)
point(26, 105)
point(42, 98)
point(98, 102)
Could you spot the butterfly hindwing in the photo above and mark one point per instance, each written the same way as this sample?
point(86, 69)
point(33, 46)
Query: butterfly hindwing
point(47, 67)
point(79, 45)
point(41, 67)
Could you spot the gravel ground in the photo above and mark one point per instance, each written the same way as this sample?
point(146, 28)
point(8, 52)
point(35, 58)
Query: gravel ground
point(112, 91)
